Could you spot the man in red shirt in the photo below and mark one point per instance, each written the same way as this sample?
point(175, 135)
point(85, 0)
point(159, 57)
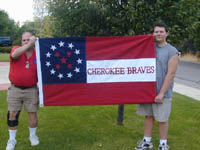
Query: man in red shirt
point(23, 89)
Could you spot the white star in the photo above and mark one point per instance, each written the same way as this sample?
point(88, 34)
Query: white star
point(53, 47)
point(69, 75)
point(70, 45)
point(61, 43)
point(79, 61)
point(60, 76)
point(52, 71)
point(77, 51)
point(48, 63)
point(77, 70)
point(48, 54)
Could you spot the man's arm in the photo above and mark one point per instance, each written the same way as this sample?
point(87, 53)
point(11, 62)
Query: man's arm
point(172, 67)
point(19, 51)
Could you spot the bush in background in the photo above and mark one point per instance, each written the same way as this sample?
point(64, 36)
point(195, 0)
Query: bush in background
point(17, 42)
point(5, 49)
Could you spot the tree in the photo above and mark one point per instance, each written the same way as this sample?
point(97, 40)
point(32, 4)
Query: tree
point(124, 17)
point(75, 18)
point(46, 30)
point(7, 25)
point(40, 12)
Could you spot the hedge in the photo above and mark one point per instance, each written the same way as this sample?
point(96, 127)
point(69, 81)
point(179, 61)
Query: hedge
point(5, 49)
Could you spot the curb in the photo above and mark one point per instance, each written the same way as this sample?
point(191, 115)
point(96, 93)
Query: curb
point(187, 91)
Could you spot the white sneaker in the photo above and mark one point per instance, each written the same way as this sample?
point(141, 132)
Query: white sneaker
point(34, 140)
point(163, 147)
point(143, 145)
point(11, 144)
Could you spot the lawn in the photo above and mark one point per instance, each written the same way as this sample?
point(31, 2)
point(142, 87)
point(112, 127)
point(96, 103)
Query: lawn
point(4, 57)
point(95, 128)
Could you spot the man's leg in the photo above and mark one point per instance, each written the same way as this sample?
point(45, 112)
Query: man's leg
point(31, 106)
point(33, 120)
point(33, 123)
point(148, 129)
point(147, 111)
point(12, 126)
point(164, 113)
point(163, 130)
point(146, 143)
point(148, 126)
point(14, 106)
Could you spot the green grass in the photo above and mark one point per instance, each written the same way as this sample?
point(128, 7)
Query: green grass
point(4, 57)
point(95, 128)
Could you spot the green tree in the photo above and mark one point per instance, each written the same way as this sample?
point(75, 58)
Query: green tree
point(40, 13)
point(75, 18)
point(123, 17)
point(46, 30)
point(7, 25)
point(191, 20)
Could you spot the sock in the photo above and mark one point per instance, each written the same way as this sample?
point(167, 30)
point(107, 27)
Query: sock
point(163, 142)
point(147, 139)
point(32, 131)
point(12, 134)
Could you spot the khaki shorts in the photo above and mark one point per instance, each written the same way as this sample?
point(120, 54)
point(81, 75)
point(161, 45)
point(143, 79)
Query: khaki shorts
point(160, 112)
point(16, 97)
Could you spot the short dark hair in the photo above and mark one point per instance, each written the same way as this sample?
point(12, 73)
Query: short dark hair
point(27, 32)
point(161, 24)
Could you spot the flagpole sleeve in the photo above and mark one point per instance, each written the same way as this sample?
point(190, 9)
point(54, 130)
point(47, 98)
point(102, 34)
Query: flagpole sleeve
point(39, 72)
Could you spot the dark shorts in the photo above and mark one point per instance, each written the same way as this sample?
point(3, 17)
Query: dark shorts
point(29, 97)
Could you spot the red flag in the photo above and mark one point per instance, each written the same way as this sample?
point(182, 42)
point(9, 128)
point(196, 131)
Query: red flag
point(96, 70)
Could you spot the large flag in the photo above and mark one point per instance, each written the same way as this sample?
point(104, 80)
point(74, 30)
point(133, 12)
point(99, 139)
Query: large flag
point(96, 70)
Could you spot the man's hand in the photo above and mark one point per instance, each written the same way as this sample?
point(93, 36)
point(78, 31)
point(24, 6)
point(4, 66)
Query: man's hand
point(159, 99)
point(32, 40)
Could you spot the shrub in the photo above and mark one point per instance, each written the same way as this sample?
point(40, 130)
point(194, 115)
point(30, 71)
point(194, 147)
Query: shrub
point(5, 49)
point(17, 42)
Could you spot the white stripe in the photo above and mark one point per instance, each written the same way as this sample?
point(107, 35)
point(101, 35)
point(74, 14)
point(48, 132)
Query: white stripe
point(39, 73)
point(121, 70)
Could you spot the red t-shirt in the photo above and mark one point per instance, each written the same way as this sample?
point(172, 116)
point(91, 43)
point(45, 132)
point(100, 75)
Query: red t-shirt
point(20, 75)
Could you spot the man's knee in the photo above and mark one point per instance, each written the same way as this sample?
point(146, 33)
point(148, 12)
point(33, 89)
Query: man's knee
point(12, 118)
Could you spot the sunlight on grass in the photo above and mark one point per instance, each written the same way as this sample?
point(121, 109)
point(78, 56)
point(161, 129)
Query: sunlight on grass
point(95, 128)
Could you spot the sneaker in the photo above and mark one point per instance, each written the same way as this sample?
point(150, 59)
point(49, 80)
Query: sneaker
point(34, 140)
point(11, 144)
point(144, 145)
point(163, 147)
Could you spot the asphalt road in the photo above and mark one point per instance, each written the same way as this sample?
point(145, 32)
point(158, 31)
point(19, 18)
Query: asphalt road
point(188, 74)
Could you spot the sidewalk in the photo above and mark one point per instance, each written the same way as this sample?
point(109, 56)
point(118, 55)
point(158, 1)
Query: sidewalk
point(187, 91)
point(4, 81)
point(179, 88)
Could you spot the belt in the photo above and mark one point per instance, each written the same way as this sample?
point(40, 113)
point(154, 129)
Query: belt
point(23, 87)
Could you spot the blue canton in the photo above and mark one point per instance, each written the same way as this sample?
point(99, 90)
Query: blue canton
point(63, 60)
